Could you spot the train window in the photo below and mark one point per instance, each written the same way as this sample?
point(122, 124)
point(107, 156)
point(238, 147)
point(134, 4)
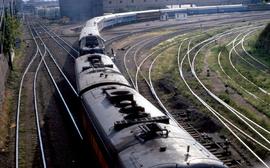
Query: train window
point(91, 41)
point(94, 51)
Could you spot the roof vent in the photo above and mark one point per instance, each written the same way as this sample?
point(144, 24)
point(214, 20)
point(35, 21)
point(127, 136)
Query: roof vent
point(117, 96)
point(150, 131)
point(134, 114)
point(118, 125)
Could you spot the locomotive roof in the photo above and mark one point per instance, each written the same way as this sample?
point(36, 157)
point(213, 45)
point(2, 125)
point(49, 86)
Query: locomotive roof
point(97, 69)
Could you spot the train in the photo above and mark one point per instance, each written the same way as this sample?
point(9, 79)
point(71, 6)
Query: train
point(51, 13)
point(125, 129)
point(97, 24)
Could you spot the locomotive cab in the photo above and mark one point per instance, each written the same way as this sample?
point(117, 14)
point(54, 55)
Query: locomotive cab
point(91, 44)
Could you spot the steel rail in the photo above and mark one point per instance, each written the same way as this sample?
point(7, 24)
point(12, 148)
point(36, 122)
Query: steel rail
point(149, 72)
point(57, 42)
point(152, 85)
point(229, 107)
point(241, 131)
point(19, 110)
point(152, 89)
point(140, 48)
point(180, 65)
point(57, 88)
point(125, 61)
point(214, 96)
point(244, 115)
point(138, 71)
point(57, 65)
point(192, 67)
point(240, 41)
point(155, 93)
point(245, 90)
point(147, 57)
point(248, 54)
point(67, 43)
point(243, 76)
point(36, 106)
point(222, 69)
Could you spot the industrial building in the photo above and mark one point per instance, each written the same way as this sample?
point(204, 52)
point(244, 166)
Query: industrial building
point(81, 9)
point(85, 9)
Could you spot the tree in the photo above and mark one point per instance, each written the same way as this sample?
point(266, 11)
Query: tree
point(11, 30)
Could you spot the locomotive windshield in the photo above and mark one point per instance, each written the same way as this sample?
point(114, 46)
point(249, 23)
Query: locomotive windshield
point(92, 41)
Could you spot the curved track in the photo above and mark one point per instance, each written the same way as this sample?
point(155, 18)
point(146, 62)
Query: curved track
point(191, 61)
point(217, 114)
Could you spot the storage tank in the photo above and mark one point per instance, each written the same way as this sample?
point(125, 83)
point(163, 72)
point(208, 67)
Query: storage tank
point(81, 9)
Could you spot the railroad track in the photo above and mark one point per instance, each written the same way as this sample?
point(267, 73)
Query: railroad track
point(246, 90)
point(264, 67)
point(146, 87)
point(24, 122)
point(63, 44)
point(217, 114)
point(215, 148)
point(221, 154)
point(43, 56)
point(219, 149)
point(57, 76)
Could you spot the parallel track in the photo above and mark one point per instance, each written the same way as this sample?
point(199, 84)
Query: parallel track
point(191, 130)
point(47, 58)
point(217, 114)
point(18, 121)
point(146, 86)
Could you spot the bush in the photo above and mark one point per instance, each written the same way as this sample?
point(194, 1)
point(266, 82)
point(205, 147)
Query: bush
point(263, 42)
